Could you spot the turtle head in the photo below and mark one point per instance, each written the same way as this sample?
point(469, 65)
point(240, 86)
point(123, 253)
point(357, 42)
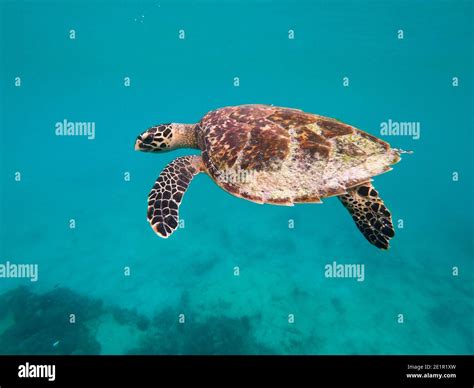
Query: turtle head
point(166, 137)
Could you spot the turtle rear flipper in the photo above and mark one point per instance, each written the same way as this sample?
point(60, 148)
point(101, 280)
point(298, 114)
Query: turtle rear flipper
point(370, 214)
point(167, 193)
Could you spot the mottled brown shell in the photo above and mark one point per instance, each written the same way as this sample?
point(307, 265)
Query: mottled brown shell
point(283, 156)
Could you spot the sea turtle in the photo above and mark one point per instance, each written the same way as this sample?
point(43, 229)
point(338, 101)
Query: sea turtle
point(274, 155)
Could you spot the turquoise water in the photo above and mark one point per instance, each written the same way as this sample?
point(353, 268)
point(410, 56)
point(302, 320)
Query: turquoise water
point(83, 270)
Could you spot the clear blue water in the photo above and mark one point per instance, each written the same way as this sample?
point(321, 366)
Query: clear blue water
point(81, 270)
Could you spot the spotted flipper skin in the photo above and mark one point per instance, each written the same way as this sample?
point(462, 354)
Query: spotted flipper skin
point(167, 193)
point(370, 214)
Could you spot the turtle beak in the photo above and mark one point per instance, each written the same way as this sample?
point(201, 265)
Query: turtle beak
point(137, 143)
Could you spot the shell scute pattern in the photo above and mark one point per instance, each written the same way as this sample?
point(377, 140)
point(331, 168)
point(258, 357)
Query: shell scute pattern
point(292, 156)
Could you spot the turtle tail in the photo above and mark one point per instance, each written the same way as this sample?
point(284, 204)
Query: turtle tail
point(370, 214)
point(399, 151)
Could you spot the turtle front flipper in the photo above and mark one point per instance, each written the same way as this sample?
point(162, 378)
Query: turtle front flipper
point(370, 214)
point(167, 193)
